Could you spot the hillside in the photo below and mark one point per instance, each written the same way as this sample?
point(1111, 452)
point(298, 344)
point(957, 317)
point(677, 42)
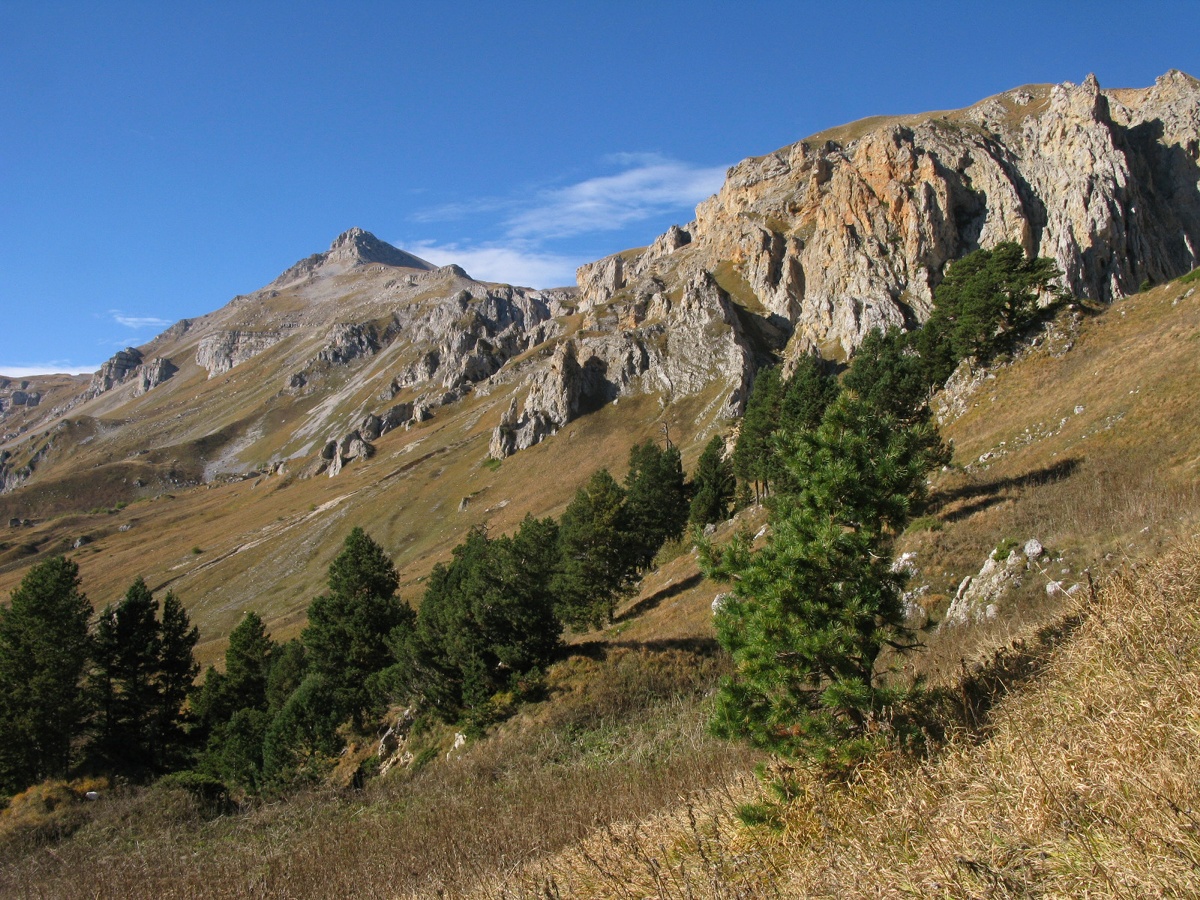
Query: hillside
point(1066, 772)
point(199, 460)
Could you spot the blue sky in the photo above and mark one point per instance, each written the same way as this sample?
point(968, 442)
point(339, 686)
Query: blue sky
point(156, 159)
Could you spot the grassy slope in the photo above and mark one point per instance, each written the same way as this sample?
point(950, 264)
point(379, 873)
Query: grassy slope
point(1084, 783)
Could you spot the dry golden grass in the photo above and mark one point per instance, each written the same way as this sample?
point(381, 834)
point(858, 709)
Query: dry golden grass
point(623, 737)
point(1085, 783)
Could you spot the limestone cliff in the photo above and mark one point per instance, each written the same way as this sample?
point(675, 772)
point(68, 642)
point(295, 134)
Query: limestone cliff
point(851, 229)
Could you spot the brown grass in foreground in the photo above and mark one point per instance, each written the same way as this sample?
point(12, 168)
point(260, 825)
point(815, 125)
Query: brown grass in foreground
point(625, 737)
point(1086, 783)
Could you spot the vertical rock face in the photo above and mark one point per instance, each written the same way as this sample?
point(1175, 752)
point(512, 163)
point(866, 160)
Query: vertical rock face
point(677, 348)
point(553, 400)
point(851, 230)
point(472, 334)
point(220, 352)
point(152, 374)
point(123, 365)
point(600, 280)
point(347, 342)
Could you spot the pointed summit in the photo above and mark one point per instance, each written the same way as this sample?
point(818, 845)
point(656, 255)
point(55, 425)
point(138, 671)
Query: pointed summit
point(349, 249)
point(357, 246)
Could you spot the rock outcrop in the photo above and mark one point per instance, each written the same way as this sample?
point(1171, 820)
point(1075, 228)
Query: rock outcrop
point(129, 365)
point(553, 400)
point(470, 336)
point(641, 344)
point(115, 372)
point(152, 374)
point(28, 399)
point(851, 230)
point(347, 342)
point(220, 352)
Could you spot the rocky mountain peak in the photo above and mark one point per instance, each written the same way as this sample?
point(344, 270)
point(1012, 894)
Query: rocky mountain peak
point(357, 246)
point(851, 229)
point(351, 248)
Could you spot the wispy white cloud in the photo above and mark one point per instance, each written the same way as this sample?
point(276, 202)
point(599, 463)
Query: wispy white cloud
point(515, 263)
point(650, 186)
point(451, 211)
point(137, 322)
point(50, 368)
point(646, 186)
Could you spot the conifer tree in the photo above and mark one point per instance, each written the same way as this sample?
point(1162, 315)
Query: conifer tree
point(43, 653)
point(656, 499)
point(811, 611)
point(891, 376)
point(596, 559)
point(248, 663)
point(529, 560)
point(983, 304)
point(485, 617)
point(177, 672)
point(713, 485)
point(754, 456)
point(349, 627)
point(289, 665)
point(806, 394)
point(232, 705)
point(235, 751)
point(143, 670)
point(301, 741)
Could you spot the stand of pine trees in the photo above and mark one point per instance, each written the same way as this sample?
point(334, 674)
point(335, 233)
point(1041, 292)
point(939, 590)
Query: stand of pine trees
point(842, 464)
point(107, 699)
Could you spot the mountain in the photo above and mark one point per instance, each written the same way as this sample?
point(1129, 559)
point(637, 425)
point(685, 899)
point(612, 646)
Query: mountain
point(366, 386)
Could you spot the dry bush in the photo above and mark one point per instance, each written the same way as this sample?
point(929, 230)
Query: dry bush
point(46, 812)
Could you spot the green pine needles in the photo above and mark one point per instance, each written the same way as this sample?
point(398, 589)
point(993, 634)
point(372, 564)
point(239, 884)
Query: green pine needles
point(811, 612)
point(813, 609)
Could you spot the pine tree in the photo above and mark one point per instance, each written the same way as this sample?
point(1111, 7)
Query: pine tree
point(656, 500)
point(486, 617)
point(713, 485)
point(248, 663)
point(235, 750)
point(811, 611)
point(890, 375)
point(177, 670)
point(596, 560)
point(986, 300)
point(289, 665)
point(232, 705)
point(754, 456)
point(128, 695)
point(301, 741)
point(43, 654)
point(348, 627)
point(529, 561)
point(806, 394)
